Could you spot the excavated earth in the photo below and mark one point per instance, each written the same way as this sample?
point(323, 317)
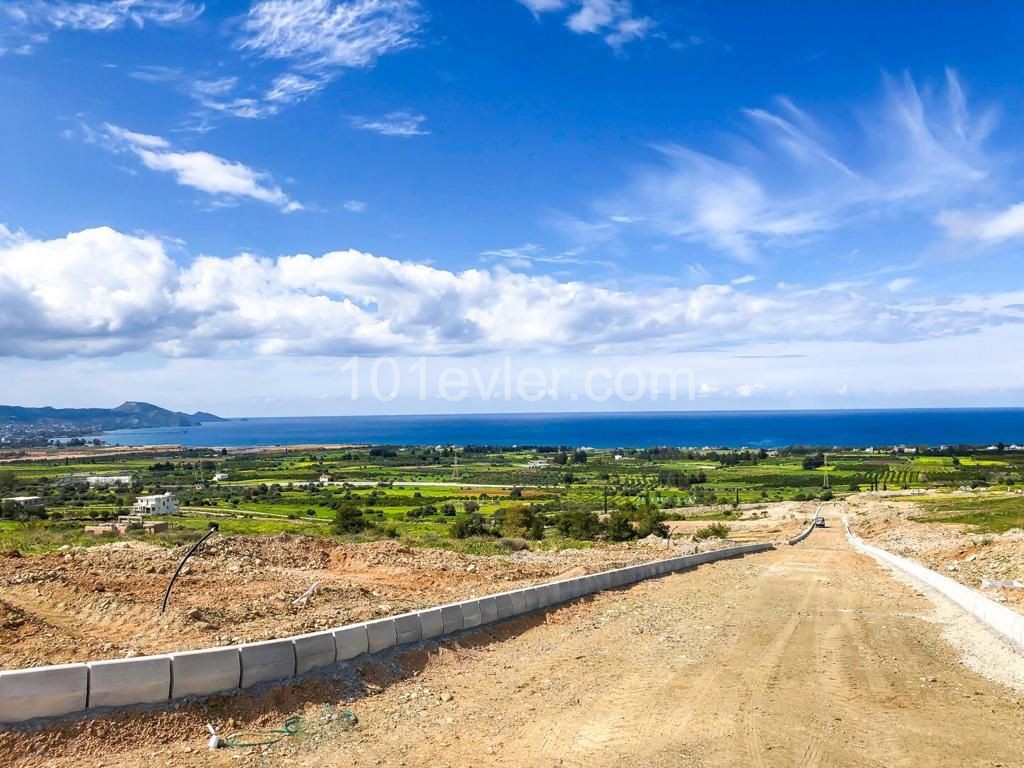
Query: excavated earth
point(809, 655)
point(972, 558)
point(103, 602)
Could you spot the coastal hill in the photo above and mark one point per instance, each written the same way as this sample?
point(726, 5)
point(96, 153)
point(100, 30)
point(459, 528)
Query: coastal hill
point(129, 415)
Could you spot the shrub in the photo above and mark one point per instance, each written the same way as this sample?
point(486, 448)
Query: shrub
point(349, 519)
point(619, 526)
point(578, 524)
point(469, 526)
point(713, 531)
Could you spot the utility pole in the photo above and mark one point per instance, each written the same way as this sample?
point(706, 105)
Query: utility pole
point(455, 469)
point(826, 483)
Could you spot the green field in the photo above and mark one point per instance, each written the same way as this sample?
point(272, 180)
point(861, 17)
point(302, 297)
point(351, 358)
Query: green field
point(993, 513)
point(394, 491)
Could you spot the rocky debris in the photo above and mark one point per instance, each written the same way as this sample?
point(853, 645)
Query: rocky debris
point(988, 561)
point(83, 603)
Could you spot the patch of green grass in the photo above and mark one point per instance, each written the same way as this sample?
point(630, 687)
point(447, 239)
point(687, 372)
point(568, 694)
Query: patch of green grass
point(986, 513)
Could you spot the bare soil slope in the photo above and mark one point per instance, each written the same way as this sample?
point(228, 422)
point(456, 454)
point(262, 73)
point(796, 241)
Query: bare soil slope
point(807, 656)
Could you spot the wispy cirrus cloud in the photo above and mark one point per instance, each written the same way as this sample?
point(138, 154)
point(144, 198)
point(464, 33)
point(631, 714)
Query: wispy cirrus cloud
point(401, 124)
point(31, 20)
point(226, 180)
point(614, 20)
point(314, 42)
point(788, 178)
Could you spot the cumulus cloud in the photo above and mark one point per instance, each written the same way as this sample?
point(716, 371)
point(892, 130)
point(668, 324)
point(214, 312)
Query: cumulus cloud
point(402, 124)
point(31, 19)
point(102, 292)
point(789, 178)
point(354, 206)
point(226, 180)
point(614, 20)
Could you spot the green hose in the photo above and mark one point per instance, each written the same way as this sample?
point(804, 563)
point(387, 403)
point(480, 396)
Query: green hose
point(267, 737)
point(264, 738)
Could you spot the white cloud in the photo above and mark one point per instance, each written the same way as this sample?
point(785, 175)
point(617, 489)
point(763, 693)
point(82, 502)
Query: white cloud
point(323, 36)
point(788, 181)
point(97, 292)
point(986, 227)
point(354, 206)
point(32, 18)
point(613, 19)
point(225, 179)
point(527, 254)
point(317, 40)
point(101, 292)
point(749, 390)
point(900, 284)
point(402, 124)
point(746, 279)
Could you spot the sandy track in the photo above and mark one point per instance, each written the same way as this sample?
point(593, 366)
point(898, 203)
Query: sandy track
point(807, 656)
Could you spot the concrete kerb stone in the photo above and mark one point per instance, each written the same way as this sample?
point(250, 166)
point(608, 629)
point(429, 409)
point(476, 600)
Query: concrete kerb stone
point(503, 603)
point(488, 610)
point(408, 628)
point(267, 661)
point(381, 635)
point(432, 623)
point(543, 595)
point(314, 650)
point(59, 690)
point(518, 601)
point(532, 597)
point(1001, 619)
point(351, 641)
point(200, 673)
point(43, 692)
point(123, 682)
point(451, 618)
point(471, 616)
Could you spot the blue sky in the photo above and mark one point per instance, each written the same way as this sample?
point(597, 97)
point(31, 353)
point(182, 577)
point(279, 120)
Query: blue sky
point(219, 206)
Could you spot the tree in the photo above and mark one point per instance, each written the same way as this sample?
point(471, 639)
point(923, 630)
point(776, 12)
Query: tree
point(469, 526)
point(349, 519)
point(578, 524)
point(517, 521)
point(8, 480)
point(619, 526)
point(9, 510)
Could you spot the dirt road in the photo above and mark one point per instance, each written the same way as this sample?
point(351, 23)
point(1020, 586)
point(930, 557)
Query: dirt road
point(807, 656)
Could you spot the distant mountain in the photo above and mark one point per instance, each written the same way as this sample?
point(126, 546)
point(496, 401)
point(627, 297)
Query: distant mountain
point(130, 415)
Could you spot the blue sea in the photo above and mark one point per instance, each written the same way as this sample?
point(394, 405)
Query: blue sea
point(754, 429)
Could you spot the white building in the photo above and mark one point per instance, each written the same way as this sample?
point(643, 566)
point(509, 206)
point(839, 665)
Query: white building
point(26, 502)
point(157, 504)
point(325, 478)
point(105, 481)
point(220, 476)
